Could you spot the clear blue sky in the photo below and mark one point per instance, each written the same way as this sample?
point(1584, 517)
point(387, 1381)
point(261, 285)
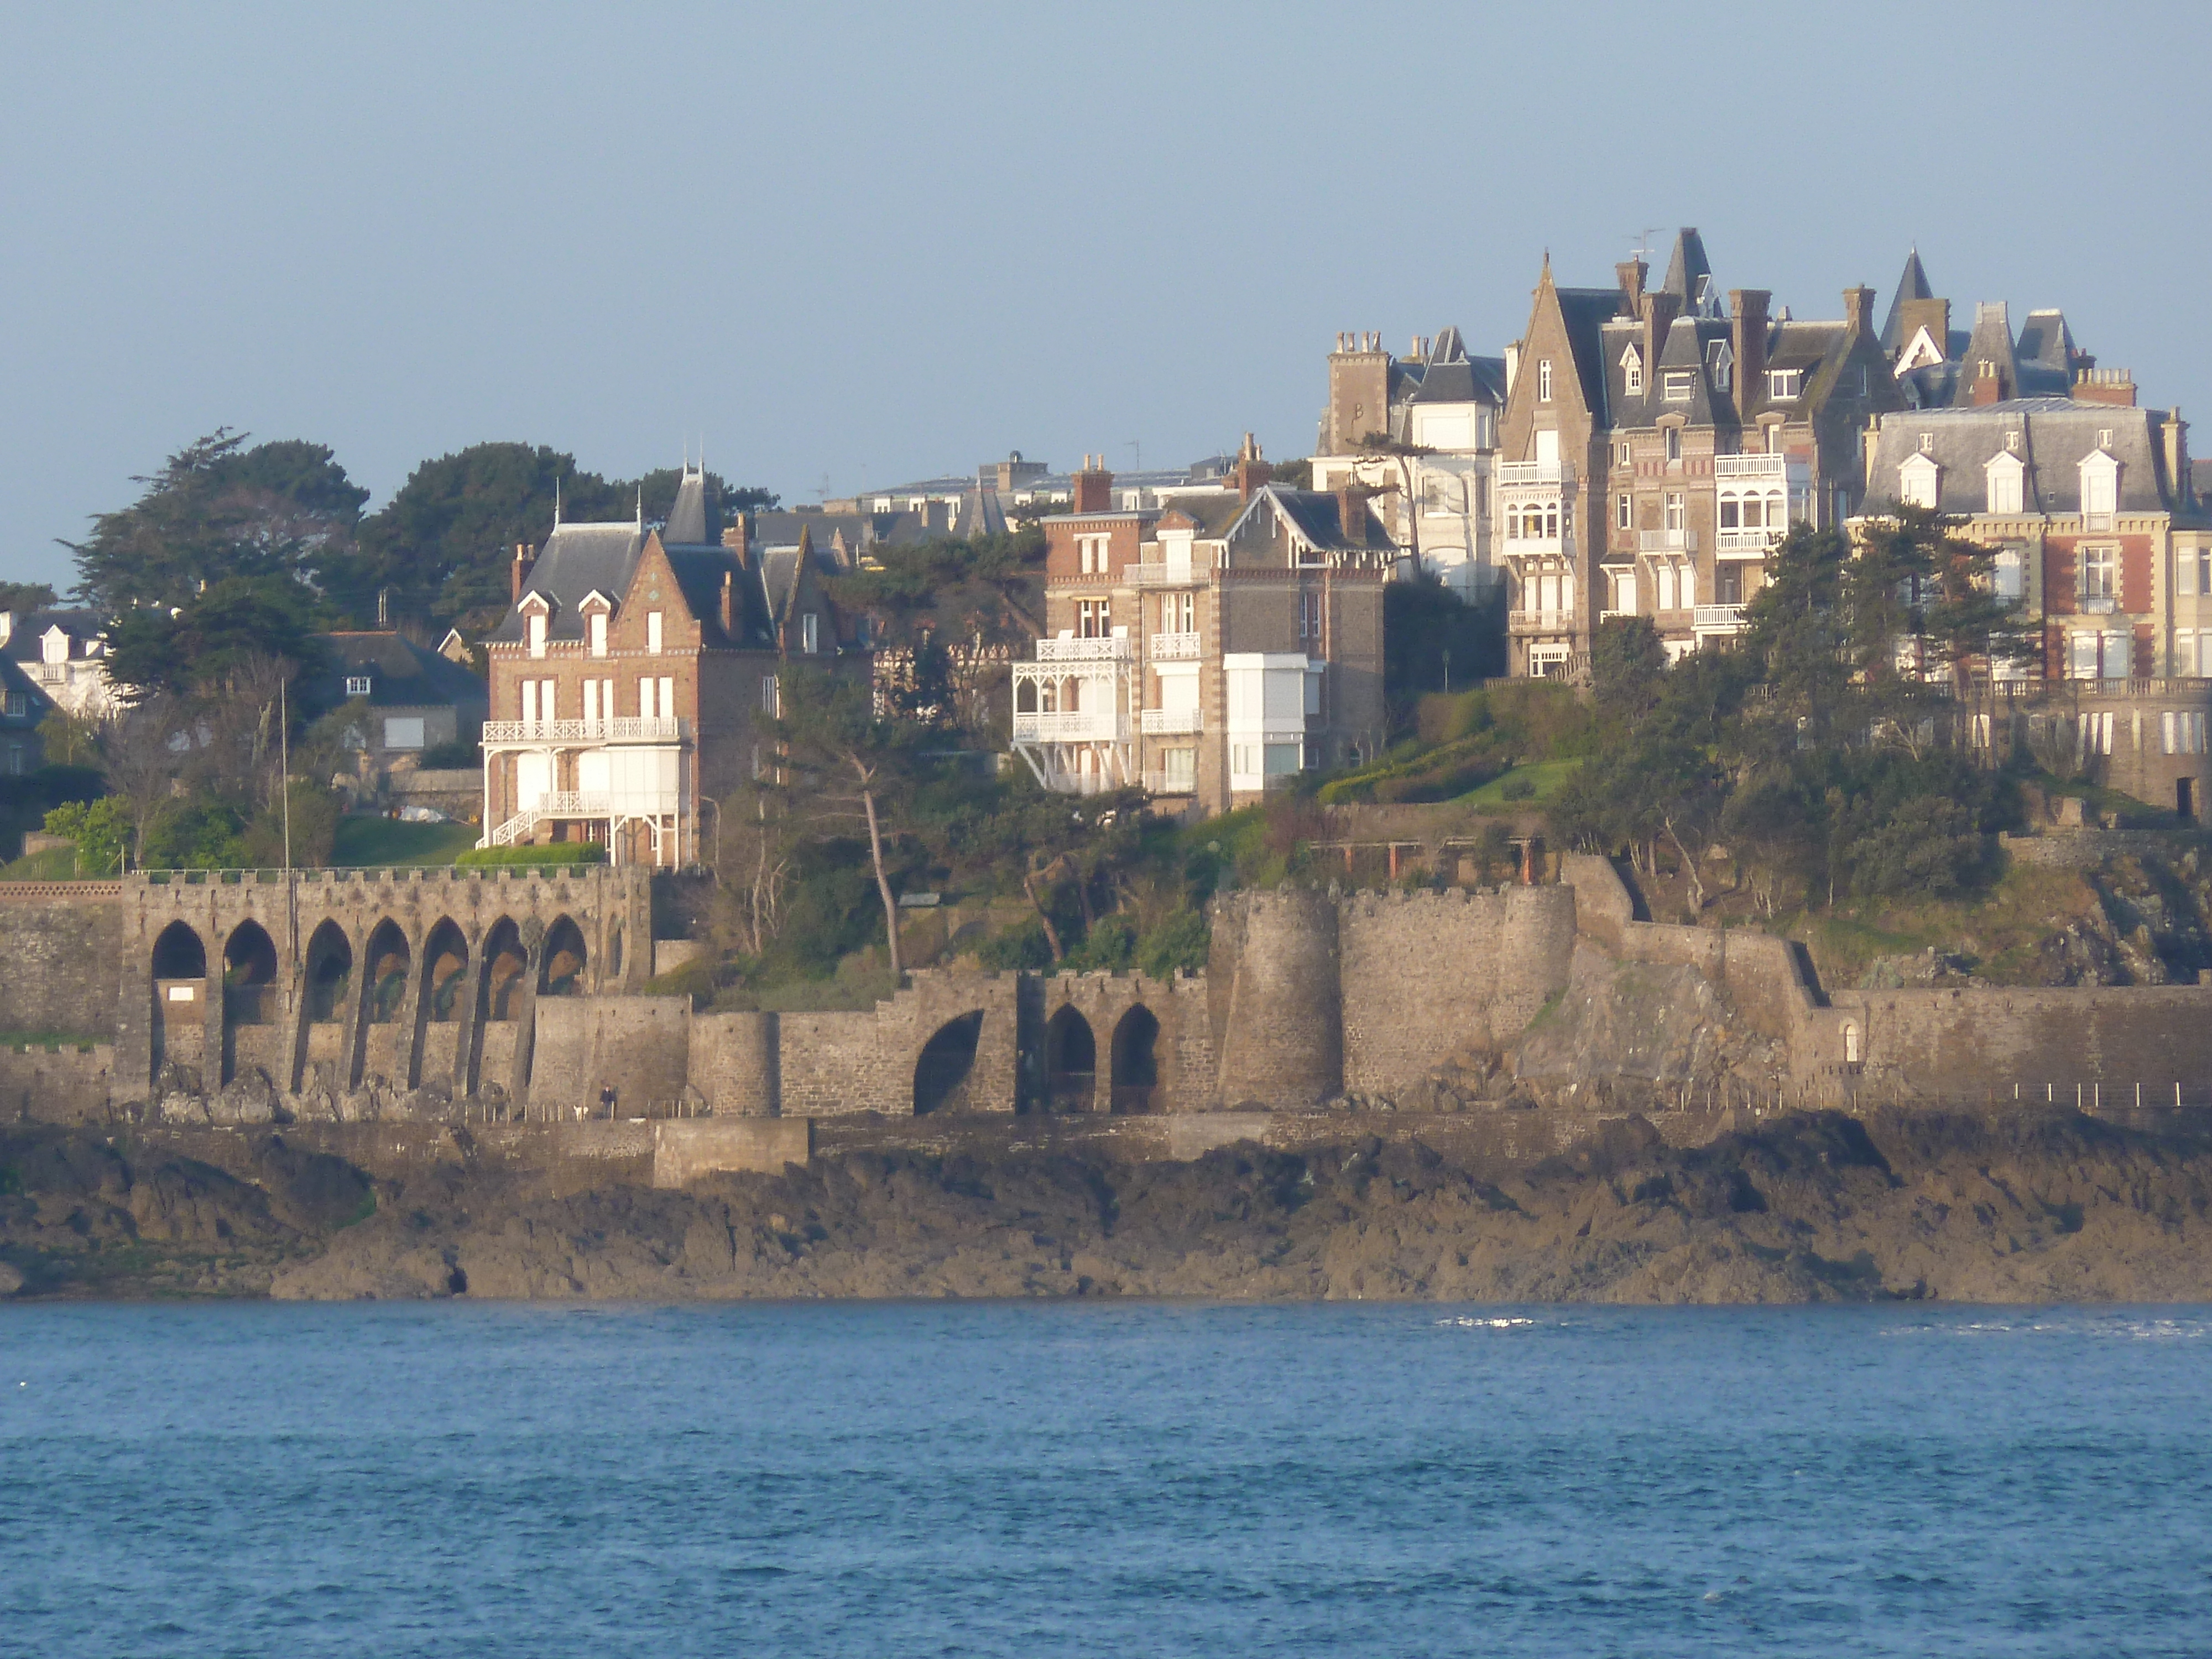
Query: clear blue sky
point(864, 243)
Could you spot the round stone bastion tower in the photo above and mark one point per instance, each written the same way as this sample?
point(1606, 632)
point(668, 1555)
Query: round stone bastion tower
point(1275, 997)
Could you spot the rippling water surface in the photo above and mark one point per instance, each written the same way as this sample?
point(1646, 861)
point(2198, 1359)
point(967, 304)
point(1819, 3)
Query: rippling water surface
point(1042, 1479)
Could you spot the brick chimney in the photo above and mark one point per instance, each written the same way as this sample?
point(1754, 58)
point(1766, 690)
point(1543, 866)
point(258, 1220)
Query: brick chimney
point(523, 566)
point(2176, 434)
point(738, 537)
point(1747, 331)
point(1858, 309)
point(2115, 386)
point(1094, 486)
point(1250, 471)
point(1351, 511)
point(1659, 312)
point(1633, 274)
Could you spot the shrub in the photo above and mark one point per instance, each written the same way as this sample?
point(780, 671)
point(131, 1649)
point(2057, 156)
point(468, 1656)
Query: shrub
point(1181, 941)
point(1021, 947)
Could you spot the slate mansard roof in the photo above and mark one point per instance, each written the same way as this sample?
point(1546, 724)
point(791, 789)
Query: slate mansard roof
point(401, 675)
point(2053, 437)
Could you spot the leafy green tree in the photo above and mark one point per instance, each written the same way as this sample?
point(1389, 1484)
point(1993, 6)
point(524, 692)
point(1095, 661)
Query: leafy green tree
point(213, 633)
point(835, 748)
point(1431, 635)
point(20, 596)
point(217, 510)
point(1628, 670)
point(68, 740)
point(101, 830)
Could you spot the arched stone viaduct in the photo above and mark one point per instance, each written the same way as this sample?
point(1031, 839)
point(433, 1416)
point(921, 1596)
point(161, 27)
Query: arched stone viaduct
point(325, 979)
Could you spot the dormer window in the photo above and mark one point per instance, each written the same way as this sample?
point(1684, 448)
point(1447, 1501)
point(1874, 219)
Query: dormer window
point(2007, 484)
point(357, 685)
point(1681, 385)
point(53, 646)
point(1631, 372)
point(1919, 482)
point(1723, 358)
point(2100, 488)
point(1785, 385)
point(536, 613)
point(597, 609)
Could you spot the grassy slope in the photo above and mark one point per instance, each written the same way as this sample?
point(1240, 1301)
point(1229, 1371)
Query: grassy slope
point(372, 842)
point(1544, 777)
point(54, 864)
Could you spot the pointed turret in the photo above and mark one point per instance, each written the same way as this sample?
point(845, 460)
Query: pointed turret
point(1912, 285)
point(1689, 273)
point(693, 521)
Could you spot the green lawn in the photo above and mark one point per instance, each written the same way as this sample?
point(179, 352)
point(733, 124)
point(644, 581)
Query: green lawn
point(1544, 778)
point(366, 843)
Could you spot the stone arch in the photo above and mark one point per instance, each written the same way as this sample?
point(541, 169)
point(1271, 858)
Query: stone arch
point(1851, 1043)
point(1136, 1076)
point(389, 958)
point(445, 973)
point(1071, 1061)
point(329, 972)
point(505, 964)
point(562, 972)
point(941, 1071)
point(249, 976)
point(179, 953)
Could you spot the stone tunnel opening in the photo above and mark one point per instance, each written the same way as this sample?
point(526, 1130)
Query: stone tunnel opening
point(946, 1059)
point(179, 954)
point(1136, 1073)
point(1071, 1062)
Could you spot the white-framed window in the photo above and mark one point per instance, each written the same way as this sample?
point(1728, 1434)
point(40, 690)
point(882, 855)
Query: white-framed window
point(1674, 443)
point(2184, 572)
point(2006, 476)
point(2081, 656)
point(1624, 511)
point(1919, 480)
point(1094, 618)
point(1090, 557)
point(534, 627)
point(1544, 381)
point(1244, 759)
point(1679, 385)
point(2183, 731)
point(357, 685)
point(1309, 616)
point(1624, 591)
point(810, 634)
point(598, 627)
point(1722, 356)
point(1664, 584)
point(1785, 385)
point(647, 697)
point(2097, 734)
point(653, 632)
point(14, 704)
point(1688, 594)
point(2116, 654)
point(1627, 455)
point(667, 697)
point(1678, 512)
point(1631, 372)
point(2100, 487)
point(2010, 573)
point(771, 695)
point(2100, 573)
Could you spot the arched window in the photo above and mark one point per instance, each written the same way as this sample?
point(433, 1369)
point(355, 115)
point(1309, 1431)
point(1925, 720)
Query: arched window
point(507, 962)
point(563, 975)
point(329, 972)
point(1136, 1065)
point(388, 961)
point(1071, 1062)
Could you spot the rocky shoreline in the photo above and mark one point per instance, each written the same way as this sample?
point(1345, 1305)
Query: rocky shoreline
point(1810, 1208)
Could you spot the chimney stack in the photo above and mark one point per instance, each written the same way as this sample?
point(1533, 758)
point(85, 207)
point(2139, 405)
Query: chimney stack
point(1633, 274)
point(2115, 386)
point(1989, 384)
point(1094, 486)
point(2176, 434)
point(1352, 510)
point(1250, 471)
point(1660, 310)
point(1858, 309)
point(523, 565)
point(1747, 323)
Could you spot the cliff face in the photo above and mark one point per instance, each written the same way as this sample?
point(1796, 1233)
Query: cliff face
point(1814, 1208)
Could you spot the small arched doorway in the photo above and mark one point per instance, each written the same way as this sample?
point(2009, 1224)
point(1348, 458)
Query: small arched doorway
point(389, 959)
point(563, 975)
point(941, 1073)
point(330, 973)
point(1136, 1072)
point(1071, 1062)
point(179, 1034)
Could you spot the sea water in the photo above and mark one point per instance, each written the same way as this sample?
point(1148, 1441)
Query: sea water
point(1031, 1479)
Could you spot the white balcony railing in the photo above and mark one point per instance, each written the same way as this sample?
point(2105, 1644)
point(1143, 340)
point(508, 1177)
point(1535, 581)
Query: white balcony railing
point(1073, 726)
point(1166, 573)
point(1753, 466)
point(555, 803)
point(1107, 650)
point(1666, 541)
point(1168, 722)
point(1532, 547)
point(1756, 543)
point(1173, 648)
point(628, 730)
point(1515, 474)
point(1718, 619)
point(1541, 621)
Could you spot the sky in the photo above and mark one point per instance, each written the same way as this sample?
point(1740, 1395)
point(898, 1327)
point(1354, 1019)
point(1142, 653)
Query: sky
point(845, 244)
